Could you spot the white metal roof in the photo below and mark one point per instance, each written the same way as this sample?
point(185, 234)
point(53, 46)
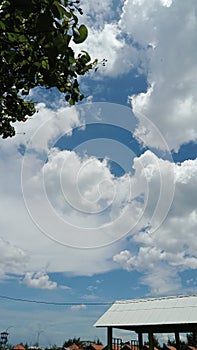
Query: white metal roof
point(160, 311)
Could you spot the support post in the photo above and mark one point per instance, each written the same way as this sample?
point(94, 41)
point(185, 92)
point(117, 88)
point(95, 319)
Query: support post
point(109, 338)
point(151, 340)
point(140, 340)
point(177, 339)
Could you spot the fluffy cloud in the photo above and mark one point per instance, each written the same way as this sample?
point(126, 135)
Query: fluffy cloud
point(13, 259)
point(70, 201)
point(164, 252)
point(158, 38)
point(108, 43)
point(97, 13)
point(75, 201)
point(39, 280)
point(165, 30)
point(78, 199)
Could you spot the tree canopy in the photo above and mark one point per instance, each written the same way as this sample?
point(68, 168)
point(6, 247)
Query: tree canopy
point(35, 42)
point(71, 341)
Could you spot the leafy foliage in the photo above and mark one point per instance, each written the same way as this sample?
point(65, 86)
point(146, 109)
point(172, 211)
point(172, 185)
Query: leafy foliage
point(182, 343)
point(192, 339)
point(71, 341)
point(35, 38)
point(98, 342)
point(155, 342)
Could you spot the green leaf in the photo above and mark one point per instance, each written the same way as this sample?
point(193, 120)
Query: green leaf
point(61, 43)
point(88, 58)
point(2, 25)
point(60, 10)
point(71, 102)
point(83, 33)
point(45, 64)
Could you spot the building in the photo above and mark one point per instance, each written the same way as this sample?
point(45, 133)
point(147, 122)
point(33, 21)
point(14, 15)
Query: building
point(94, 346)
point(147, 347)
point(19, 347)
point(176, 315)
point(169, 347)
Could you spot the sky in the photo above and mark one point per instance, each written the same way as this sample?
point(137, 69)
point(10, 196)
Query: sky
point(98, 201)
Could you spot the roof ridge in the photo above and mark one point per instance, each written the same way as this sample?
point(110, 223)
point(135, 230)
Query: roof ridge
point(124, 301)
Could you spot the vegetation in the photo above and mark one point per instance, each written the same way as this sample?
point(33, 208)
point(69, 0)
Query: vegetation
point(35, 43)
point(192, 339)
point(71, 341)
point(181, 343)
point(98, 342)
point(155, 342)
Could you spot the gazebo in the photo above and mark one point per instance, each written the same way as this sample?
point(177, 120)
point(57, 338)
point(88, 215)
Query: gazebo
point(149, 316)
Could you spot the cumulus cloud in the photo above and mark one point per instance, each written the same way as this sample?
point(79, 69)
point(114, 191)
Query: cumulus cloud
point(165, 30)
point(78, 202)
point(51, 123)
point(82, 203)
point(170, 249)
point(158, 38)
point(97, 13)
point(13, 259)
point(75, 201)
point(39, 280)
point(108, 43)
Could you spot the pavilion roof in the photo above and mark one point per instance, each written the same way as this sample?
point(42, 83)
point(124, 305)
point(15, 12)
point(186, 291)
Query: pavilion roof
point(162, 313)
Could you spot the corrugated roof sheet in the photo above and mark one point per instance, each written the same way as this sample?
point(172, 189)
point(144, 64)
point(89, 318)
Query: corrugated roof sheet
point(138, 312)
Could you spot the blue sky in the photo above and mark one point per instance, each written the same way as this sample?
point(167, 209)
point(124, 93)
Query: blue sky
point(98, 201)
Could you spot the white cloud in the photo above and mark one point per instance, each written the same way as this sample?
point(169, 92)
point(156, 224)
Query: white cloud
point(92, 288)
point(50, 123)
point(108, 43)
point(73, 201)
point(84, 199)
point(76, 201)
point(162, 281)
point(90, 297)
point(170, 249)
point(39, 280)
point(12, 258)
point(65, 287)
point(171, 101)
point(158, 38)
point(78, 307)
point(97, 13)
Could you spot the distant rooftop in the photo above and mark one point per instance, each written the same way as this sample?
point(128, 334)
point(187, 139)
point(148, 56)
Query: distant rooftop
point(19, 347)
